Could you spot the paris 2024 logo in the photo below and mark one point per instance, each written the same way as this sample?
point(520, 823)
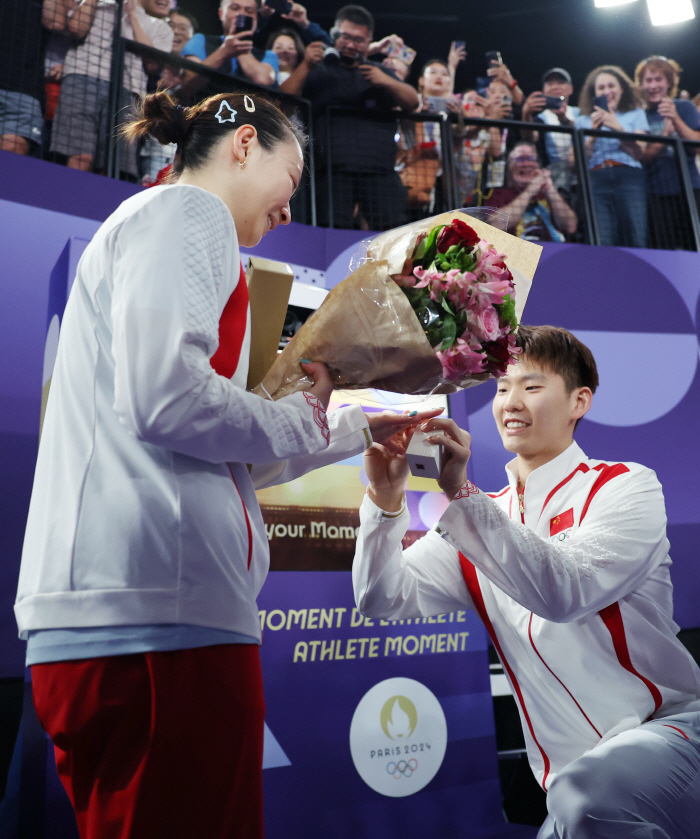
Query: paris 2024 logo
point(398, 737)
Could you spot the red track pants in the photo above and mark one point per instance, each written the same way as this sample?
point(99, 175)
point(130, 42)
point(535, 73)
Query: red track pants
point(162, 744)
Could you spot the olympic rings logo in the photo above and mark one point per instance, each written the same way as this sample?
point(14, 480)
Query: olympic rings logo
point(402, 769)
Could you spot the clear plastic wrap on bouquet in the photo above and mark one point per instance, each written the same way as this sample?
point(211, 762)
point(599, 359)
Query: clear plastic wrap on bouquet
point(367, 331)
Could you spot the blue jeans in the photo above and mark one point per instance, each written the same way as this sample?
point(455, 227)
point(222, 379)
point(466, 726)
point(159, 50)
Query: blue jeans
point(620, 206)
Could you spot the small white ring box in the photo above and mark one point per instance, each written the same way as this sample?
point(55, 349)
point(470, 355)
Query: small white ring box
point(424, 459)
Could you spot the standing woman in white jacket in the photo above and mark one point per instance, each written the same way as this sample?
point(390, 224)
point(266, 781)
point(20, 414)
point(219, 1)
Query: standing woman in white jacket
point(145, 548)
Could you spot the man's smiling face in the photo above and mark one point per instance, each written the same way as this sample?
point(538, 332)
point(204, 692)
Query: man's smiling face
point(156, 8)
point(534, 413)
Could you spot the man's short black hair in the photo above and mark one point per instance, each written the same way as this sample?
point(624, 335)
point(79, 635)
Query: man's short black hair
point(357, 15)
point(192, 19)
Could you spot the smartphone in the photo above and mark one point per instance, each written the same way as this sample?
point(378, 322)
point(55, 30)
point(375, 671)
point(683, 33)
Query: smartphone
point(553, 103)
point(282, 7)
point(601, 102)
point(493, 57)
point(437, 105)
point(459, 44)
point(405, 54)
point(244, 23)
point(482, 85)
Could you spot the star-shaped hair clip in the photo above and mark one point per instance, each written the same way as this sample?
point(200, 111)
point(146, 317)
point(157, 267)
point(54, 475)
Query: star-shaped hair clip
point(225, 113)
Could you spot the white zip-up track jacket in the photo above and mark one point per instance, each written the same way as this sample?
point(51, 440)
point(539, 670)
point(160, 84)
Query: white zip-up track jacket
point(143, 510)
point(575, 593)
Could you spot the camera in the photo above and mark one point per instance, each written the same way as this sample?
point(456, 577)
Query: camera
point(244, 23)
point(553, 103)
point(333, 57)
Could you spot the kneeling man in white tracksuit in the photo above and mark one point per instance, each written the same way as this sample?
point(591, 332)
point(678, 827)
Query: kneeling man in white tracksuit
point(568, 569)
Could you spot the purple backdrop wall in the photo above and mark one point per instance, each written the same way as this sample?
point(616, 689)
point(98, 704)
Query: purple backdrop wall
point(637, 310)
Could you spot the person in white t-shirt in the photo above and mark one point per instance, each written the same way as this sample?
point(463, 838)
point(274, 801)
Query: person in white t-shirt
point(145, 548)
point(568, 568)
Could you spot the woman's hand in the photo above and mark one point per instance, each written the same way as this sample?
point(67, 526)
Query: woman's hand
point(383, 427)
point(455, 55)
point(601, 117)
point(457, 444)
point(323, 386)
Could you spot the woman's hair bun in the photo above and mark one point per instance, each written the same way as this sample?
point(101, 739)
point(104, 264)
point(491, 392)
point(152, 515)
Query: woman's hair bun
point(160, 117)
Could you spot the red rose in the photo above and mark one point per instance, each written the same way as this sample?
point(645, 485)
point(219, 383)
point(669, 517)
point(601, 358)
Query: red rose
point(501, 351)
point(457, 233)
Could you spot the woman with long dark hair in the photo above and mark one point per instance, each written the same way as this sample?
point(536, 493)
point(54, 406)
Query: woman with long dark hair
point(617, 177)
point(145, 547)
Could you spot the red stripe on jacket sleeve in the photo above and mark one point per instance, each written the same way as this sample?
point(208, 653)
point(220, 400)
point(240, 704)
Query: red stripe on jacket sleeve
point(232, 327)
point(474, 588)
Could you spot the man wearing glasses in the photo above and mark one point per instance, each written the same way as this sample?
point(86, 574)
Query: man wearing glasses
point(366, 191)
point(535, 209)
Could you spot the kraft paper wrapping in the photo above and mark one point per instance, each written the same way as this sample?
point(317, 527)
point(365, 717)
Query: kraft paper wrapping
point(368, 336)
point(366, 332)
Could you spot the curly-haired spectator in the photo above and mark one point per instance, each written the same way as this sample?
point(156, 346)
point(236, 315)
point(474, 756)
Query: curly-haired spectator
point(617, 178)
point(233, 52)
point(668, 116)
point(534, 208)
point(287, 45)
point(80, 126)
point(363, 149)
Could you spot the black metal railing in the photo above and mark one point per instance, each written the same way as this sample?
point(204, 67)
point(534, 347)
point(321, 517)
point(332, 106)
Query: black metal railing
point(408, 176)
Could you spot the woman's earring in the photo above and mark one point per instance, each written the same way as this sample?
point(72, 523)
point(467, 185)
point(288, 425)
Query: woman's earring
point(241, 163)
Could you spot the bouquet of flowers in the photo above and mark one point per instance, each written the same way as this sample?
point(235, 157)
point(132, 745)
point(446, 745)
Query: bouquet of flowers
point(431, 307)
point(463, 295)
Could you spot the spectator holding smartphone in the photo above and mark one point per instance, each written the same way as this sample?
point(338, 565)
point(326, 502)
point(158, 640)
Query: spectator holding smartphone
point(499, 72)
point(457, 54)
point(475, 148)
point(420, 145)
point(668, 116)
point(535, 209)
point(610, 101)
point(233, 52)
point(541, 107)
point(363, 148)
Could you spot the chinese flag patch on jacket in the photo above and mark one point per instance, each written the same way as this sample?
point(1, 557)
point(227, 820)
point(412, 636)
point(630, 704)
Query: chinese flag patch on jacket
point(561, 522)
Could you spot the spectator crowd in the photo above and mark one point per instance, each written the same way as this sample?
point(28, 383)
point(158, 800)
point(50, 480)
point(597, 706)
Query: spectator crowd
point(380, 143)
